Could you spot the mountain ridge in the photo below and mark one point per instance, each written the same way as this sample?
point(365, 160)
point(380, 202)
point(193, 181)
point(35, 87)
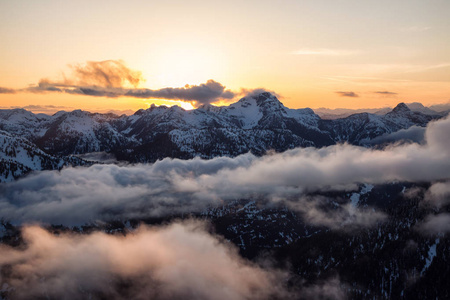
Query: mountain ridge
point(256, 123)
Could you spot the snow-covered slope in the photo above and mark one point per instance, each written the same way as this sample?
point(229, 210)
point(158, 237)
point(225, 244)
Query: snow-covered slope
point(18, 156)
point(80, 132)
point(360, 128)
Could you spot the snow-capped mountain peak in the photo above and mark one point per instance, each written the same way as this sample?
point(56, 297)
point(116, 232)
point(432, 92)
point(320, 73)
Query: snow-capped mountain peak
point(401, 108)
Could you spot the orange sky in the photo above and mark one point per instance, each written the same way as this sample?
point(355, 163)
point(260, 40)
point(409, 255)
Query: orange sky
point(324, 53)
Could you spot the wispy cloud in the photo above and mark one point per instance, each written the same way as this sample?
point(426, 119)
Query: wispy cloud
point(361, 80)
point(347, 94)
point(415, 29)
point(4, 90)
point(414, 69)
point(108, 73)
point(386, 93)
point(324, 51)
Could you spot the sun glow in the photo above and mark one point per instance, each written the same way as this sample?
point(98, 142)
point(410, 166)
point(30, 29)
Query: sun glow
point(159, 102)
point(178, 66)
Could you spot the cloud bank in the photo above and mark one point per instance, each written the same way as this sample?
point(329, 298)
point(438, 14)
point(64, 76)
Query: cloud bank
point(101, 192)
point(177, 261)
point(414, 134)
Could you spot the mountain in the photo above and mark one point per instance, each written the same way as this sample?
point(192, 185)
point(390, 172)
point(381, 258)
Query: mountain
point(339, 113)
point(255, 123)
point(441, 108)
point(359, 129)
point(18, 157)
point(79, 132)
point(419, 107)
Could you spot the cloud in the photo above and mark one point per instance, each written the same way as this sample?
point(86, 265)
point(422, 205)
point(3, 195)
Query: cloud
point(330, 289)
point(96, 91)
point(112, 78)
point(434, 224)
point(78, 195)
point(178, 261)
point(171, 186)
point(108, 73)
point(347, 94)
point(43, 88)
point(4, 90)
point(386, 93)
point(204, 93)
point(415, 28)
point(257, 91)
point(438, 194)
point(414, 134)
point(103, 157)
point(99, 74)
point(324, 52)
point(94, 78)
point(342, 217)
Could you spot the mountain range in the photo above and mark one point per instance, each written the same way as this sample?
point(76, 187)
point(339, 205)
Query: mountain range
point(337, 113)
point(256, 123)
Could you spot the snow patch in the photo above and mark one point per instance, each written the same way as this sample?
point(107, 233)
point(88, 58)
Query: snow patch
point(431, 256)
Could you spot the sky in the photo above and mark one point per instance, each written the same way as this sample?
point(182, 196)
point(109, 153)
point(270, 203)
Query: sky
point(322, 53)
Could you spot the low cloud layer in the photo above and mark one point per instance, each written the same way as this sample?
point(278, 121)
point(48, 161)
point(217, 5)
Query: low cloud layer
point(178, 261)
point(112, 78)
point(414, 134)
point(100, 192)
